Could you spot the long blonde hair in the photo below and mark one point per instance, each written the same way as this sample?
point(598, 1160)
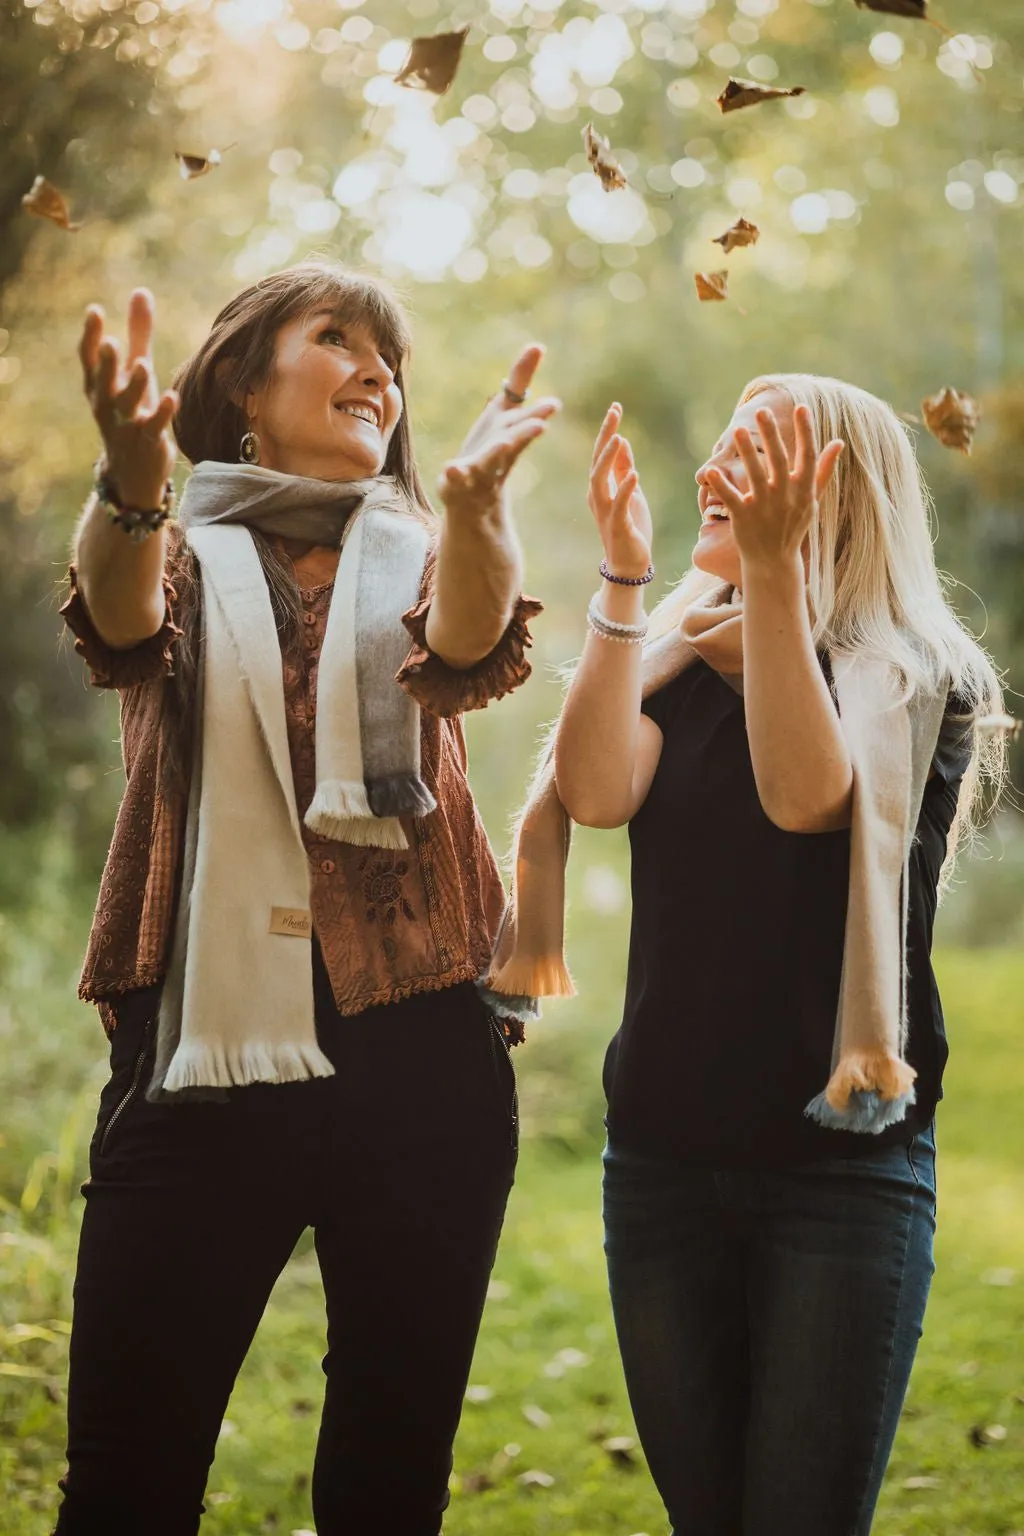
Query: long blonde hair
point(872, 581)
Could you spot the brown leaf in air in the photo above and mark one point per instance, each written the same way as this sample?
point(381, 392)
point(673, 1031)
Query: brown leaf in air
point(916, 10)
point(712, 286)
point(605, 165)
point(191, 166)
point(741, 233)
point(952, 417)
point(433, 62)
point(747, 93)
point(46, 202)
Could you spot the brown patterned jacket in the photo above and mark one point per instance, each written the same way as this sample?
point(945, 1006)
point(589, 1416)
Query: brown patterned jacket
point(389, 924)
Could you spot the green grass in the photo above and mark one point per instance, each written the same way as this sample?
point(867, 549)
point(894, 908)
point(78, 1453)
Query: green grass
point(547, 1341)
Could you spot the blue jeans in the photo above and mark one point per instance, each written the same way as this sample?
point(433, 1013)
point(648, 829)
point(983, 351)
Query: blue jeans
point(768, 1321)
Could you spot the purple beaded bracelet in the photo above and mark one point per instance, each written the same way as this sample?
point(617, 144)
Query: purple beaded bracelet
point(627, 581)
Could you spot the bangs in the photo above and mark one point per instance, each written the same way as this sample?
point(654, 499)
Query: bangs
point(356, 300)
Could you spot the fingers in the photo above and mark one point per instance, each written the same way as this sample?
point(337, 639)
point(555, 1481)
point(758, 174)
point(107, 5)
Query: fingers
point(601, 472)
point(778, 457)
point(162, 416)
point(141, 317)
point(89, 345)
point(756, 475)
point(826, 466)
point(726, 492)
point(540, 410)
point(525, 366)
point(806, 452)
point(613, 416)
point(127, 402)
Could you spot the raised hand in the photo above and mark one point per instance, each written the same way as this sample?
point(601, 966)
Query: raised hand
point(473, 483)
point(771, 520)
point(133, 416)
point(619, 506)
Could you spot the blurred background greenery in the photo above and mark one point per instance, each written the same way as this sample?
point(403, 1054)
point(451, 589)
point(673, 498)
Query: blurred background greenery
point(890, 204)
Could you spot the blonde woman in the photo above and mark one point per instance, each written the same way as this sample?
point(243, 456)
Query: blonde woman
point(791, 742)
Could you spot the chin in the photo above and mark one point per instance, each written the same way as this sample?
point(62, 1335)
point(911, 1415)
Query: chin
point(723, 563)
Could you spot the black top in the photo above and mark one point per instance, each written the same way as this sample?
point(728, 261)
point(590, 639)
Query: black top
point(736, 952)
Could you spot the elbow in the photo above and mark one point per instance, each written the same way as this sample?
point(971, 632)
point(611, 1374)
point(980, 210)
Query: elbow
point(586, 811)
point(807, 817)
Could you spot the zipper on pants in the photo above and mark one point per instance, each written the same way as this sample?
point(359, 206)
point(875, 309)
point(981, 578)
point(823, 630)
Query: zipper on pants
point(133, 1088)
point(498, 1028)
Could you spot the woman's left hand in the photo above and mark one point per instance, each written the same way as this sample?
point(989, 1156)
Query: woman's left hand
point(771, 520)
point(473, 484)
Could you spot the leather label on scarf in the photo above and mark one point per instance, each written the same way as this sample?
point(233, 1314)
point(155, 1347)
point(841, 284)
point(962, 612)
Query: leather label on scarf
point(295, 922)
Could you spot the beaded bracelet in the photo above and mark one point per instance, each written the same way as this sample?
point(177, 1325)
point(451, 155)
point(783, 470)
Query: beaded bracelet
point(604, 634)
point(596, 615)
point(136, 523)
point(626, 581)
point(611, 629)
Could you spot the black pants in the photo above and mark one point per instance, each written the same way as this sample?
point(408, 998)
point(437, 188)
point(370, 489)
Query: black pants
point(401, 1164)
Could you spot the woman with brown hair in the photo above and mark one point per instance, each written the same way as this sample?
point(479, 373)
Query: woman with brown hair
point(298, 900)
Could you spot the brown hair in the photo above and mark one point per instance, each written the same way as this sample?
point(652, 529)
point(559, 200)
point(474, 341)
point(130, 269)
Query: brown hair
point(237, 357)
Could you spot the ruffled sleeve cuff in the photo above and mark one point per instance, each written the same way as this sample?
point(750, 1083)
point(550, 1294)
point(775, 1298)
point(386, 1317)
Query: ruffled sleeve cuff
point(113, 668)
point(446, 691)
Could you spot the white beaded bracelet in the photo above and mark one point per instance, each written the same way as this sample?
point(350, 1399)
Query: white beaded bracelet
point(604, 634)
point(613, 627)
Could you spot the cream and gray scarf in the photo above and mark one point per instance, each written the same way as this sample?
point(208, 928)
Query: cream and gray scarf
point(891, 740)
point(237, 1003)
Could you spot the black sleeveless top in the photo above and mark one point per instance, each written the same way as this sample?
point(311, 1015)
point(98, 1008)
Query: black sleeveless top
point(736, 952)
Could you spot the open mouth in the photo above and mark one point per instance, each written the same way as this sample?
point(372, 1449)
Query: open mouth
point(714, 512)
point(361, 411)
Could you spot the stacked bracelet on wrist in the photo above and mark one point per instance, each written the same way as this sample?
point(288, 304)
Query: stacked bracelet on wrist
point(611, 629)
point(626, 581)
point(137, 523)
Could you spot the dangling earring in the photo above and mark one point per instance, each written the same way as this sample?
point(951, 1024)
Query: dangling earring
point(249, 449)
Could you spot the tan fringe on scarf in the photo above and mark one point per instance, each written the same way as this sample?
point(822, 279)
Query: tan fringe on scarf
point(891, 741)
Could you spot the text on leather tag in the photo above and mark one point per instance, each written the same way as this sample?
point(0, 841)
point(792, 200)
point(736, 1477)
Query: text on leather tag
point(293, 921)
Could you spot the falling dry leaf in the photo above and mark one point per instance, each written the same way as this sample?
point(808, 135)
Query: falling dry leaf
point(599, 153)
point(916, 10)
point(433, 62)
point(741, 233)
point(952, 417)
point(620, 1448)
point(536, 1479)
point(913, 8)
point(747, 93)
point(46, 202)
point(191, 166)
point(711, 285)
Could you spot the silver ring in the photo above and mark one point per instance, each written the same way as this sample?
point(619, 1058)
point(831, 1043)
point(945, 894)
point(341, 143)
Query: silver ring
point(513, 394)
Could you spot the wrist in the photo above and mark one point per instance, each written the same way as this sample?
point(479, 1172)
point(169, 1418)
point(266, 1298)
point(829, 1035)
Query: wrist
point(623, 605)
point(778, 567)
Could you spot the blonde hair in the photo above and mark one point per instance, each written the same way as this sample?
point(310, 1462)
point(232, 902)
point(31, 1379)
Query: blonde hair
point(872, 581)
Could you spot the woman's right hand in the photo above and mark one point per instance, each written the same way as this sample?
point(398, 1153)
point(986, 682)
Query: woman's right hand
point(133, 416)
point(619, 505)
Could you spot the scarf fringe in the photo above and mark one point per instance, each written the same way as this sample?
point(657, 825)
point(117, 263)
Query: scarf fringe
point(865, 1112)
point(871, 1071)
point(400, 794)
point(523, 1009)
point(342, 812)
point(206, 1064)
point(521, 977)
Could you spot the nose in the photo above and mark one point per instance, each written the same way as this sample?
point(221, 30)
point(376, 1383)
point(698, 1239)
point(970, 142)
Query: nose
point(375, 371)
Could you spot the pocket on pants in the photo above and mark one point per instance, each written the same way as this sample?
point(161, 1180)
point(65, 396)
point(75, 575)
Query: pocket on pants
point(504, 1075)
point(129, 1049)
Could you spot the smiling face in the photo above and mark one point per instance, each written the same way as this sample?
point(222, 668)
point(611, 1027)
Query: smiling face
point(715, 550)
point(332, 402)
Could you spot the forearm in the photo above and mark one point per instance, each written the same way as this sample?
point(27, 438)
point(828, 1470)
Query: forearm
point(598, 730)
point(801, 764)
point(477, 580)
point(121, 582)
